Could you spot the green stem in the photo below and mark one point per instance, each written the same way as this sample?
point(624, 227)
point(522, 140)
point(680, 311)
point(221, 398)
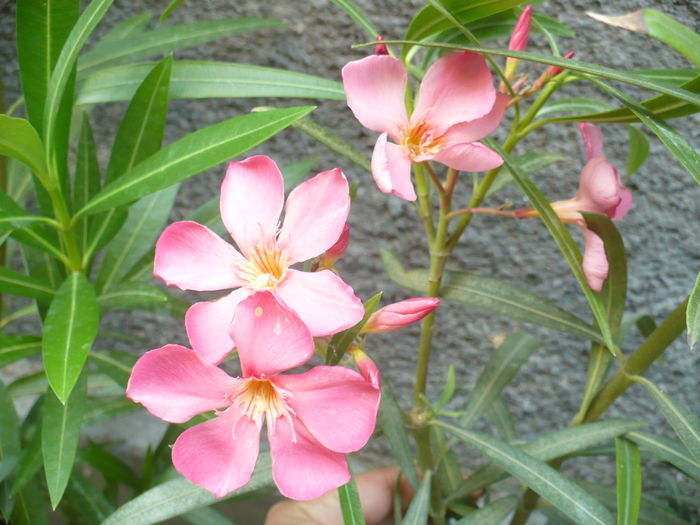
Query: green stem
point(66, 231)
point(423, 206)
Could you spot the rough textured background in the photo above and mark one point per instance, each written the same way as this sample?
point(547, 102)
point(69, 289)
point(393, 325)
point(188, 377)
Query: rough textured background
point(660, 232)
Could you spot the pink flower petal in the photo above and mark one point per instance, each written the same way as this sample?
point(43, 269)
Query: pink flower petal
point(472, 156)
point(269, 336)
point(336, 404)
point(302, 468)
point(251, 200)
point(595, 263)
point(375, 88)
point(481, 127)
point(458, 87)
point(322, 300)
point(398, 315)
point(314, 216)
point(592, 138)
point(625, 202)
point(192, 257)
point(220, 454)
point(391, 169)
point(174, 383)
point(598, 186)
point(208, 324)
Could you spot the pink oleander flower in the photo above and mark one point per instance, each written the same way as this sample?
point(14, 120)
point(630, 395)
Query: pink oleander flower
point(457, 105)
point(313, 418)
point(600, 191)
point(398, 315)
point(518, 40)
point(192, 257)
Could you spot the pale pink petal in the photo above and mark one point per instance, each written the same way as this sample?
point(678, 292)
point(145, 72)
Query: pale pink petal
point(472, 156)
point(391, 169)
point(302, 468)
point(367, 368)
point(479, 128)
point(269, 336)
point(598, 186)
point(192, 257)
point(322, 300)
point(375, 88)
point(595, 263)
point(592, 138)
point(251, 200)
point(220, 454)
point(208, 324)
point(337, 405)
point(458, 87)
point(625, 203)
point(314, 216)
point(174, 383)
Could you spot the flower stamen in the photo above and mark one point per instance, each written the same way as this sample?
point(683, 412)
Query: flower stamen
point(260, 399)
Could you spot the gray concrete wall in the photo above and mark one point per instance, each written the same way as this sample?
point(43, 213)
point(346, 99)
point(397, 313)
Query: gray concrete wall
point(660, 232)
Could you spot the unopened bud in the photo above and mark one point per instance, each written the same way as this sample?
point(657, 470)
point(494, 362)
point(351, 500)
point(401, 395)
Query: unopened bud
point(335, 252)
point(550, 73)
point(518, 41)
point(397, 315)
point(380, 49)
point(367, 368)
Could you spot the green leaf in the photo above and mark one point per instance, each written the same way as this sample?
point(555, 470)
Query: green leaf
point(136, 238)
point(192, 154)
point(417, 512)
point(63, 70)
point(88, 499)
point(16, 347)
point(501, 417)
point(70, 327)
point(551, 446)
point(206, 516)
point(86, 182)
point(7, 465)
point(574, 105)
point(15, 283)
point(599, 360)
point(639, 149)
point(333, 142)
point(60, 432)
point(692, 314)
point(564, 241)
point(169, 10)
point(491, 514)
point(29, 464)
point(390, 419)
point(629, 481)
point(350, 504)
point(178, 496)
point(42, 29)
point(492, 295)
point(194, 79)
point(684, 422)
point(294, 174)
point(19, 140)
point(9, 425)
point(530, 163)
point(429, 20)
point(358, 16)
point(561, 492)
point(128, 28)
point(675, 143)
point(504, 363)
point(164, 40)
point(131, 295)
point(670, 450)
point(116, 365)
point(30, 506)
point(110, 466)
point(341, 341)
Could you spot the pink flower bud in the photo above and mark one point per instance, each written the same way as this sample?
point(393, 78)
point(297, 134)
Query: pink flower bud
point(367, 368)
point(380, 49)
point(553, 71)
point(335, 252)
point(521, 32)
point(397, 315)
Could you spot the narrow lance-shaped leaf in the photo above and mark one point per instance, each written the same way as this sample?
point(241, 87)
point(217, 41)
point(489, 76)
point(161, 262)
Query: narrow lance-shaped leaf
point(174, 4)
point(350, 506)
point(132, 295)
point(192, 154)
point(341, 341)
point(19, 140)
point(692, 314)
point(358, 16)
point(15, 283)
point(629, 481)
point(88, 498)
point(492, 295)
point(666, 449)
point(491, 514)
point(86, 181)
point(70, 327)
point(127, 28)
point(564, 241)
point(60, 432)
point(504, 363)
point(16, 347)
point(639, 150)
point(564, 494)
point(417, 513)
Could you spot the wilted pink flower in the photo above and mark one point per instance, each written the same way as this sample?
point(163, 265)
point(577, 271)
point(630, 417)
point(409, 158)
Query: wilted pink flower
point(380, 49)
point(457, 105)
point(600, 191)
point(398, 315)
point(518, 40)
point(328, 258)
point(192, 257)
point(313, 418)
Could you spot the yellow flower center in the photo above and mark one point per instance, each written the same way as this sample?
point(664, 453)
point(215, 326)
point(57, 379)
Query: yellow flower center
point(265, 267)
point(260, 399)
point(421, 141)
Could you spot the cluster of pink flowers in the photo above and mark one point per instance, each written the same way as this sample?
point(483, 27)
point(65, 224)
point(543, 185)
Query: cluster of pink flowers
point(312, 418)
